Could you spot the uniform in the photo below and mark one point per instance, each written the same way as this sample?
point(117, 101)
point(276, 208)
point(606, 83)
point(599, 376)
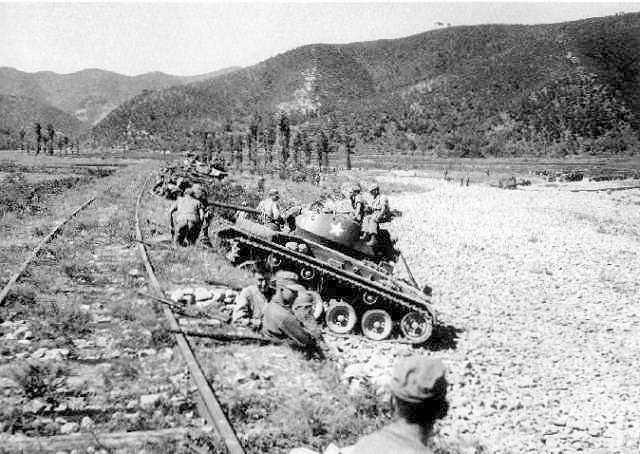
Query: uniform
point(379, 211)
point(350, 206)
point(187, 221)
point(250, 304)
point(270, 214)
point(278, 322)
point(396, 438)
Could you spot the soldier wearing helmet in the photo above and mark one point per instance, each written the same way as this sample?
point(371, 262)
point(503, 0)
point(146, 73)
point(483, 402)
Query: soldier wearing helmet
point(270, 214)
point(189, 213)
point(376, 212)
point(278, 320)
point(419, 397)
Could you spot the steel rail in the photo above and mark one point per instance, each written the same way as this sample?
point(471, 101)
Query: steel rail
point(112, 441)
point(14, 278)
point(212, 409)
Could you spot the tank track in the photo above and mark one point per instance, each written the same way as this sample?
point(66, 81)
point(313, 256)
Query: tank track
point(356, 282)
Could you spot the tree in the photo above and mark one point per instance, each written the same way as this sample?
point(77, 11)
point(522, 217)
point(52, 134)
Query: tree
point(297, 146)
point(349, 145)
point(22, 133)
point(50, 137)
point(37, 129)
point(308, 148)
point(322, 150)
point(285, 135)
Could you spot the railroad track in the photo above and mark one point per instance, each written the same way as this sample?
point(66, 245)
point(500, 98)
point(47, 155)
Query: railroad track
point(209, 406)
point(34, 254)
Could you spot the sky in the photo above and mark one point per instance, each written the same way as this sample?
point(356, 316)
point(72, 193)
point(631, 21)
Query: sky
point(193, 38)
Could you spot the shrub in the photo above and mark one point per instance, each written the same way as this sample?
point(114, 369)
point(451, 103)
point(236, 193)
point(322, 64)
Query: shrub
point(39, 379)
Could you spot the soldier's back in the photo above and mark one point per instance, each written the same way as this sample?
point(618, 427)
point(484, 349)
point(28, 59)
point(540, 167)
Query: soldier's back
point(188, 207)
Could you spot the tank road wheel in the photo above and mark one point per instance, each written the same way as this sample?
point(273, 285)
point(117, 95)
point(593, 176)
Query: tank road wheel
point(376, 324)
point(416, 327)
point(307, 274)
point(341, 317)
point(273, 261)
point(370, 298)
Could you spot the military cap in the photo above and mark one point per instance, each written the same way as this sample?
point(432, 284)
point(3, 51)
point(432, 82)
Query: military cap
point(419, 378)
point(273, 192)
point(287, 279)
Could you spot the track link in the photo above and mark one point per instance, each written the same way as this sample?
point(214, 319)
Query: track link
point(355, 282)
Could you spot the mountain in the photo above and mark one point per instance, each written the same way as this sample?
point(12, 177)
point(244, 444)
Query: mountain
point(89, 94)
point(21, 113)
point(484, 90)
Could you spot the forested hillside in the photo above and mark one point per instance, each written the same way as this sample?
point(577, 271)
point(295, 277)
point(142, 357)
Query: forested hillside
point(491, 90)
point(18, 116)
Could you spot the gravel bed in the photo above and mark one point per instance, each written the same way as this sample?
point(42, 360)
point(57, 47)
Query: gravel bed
point(542, 287)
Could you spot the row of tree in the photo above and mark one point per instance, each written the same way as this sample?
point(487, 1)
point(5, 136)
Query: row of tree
point(277, 142)
point(45, 140)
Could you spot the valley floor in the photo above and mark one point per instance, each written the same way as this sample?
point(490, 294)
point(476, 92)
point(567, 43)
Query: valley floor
point(537, 290)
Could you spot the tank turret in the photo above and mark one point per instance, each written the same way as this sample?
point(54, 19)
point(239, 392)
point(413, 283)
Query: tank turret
point(339, 232)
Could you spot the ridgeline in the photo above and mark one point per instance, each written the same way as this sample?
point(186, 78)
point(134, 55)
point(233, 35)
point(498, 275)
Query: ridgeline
point(490, 90)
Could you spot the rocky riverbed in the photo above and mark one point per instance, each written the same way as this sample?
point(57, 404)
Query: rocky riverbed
point(541, 287)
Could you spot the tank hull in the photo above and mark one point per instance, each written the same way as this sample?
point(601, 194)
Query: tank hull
point(339, 273)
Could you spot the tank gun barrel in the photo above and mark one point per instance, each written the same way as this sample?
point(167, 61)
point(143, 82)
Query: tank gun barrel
point(232, 207)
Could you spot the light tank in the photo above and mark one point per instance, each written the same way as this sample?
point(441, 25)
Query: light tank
point(354, 278)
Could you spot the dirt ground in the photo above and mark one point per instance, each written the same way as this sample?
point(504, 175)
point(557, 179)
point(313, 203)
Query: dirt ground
point(536, 288)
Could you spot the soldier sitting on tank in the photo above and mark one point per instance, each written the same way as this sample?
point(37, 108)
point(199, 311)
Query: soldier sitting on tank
point(419, 397)
point(189, 212)
point(352, 204)
point(270, 214)
point(250, 303)
point(376, 212)
point(279, 322)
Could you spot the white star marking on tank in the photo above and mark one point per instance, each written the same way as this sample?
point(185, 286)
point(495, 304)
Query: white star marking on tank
point(336, 229)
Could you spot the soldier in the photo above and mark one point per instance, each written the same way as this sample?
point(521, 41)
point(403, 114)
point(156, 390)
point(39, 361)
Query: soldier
point(308, 308)
point(251, 301)
point(352, 204)
point(207, 215)
point(278, 321)
point(376, 212)
point(419, 398)
point(188, 220)
point(270, 214)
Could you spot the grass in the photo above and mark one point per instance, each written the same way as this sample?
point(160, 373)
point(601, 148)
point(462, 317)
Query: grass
point(39, 380)
point(57, 320)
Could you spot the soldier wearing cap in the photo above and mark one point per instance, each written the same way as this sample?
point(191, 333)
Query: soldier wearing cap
point(419, 398)
point(278, 320)
point(270, 214)
point(189, 212)
point(376, 212)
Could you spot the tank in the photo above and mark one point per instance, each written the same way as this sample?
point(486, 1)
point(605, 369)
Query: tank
point(354, 279)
